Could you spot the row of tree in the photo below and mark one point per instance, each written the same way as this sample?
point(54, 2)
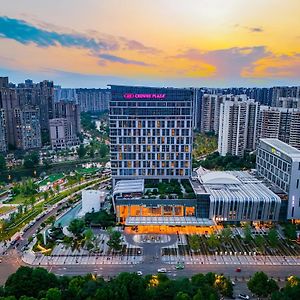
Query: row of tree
point(33, 284)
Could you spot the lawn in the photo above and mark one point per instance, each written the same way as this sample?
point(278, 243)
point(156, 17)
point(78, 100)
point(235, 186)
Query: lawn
point(5, 209)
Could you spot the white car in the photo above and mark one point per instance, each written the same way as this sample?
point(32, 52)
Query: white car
point(140, 273)
point(162, 270)
point(244, 296)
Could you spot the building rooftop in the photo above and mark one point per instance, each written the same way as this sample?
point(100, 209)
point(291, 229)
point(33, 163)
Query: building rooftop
point(233, 185)
point(282, 147)
point(129, 186)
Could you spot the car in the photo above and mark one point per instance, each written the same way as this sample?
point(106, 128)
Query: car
point(244, 296)
point(179, 266)
point(232, 282)
point(140, 273)
point(162, 270)
point(238, 270)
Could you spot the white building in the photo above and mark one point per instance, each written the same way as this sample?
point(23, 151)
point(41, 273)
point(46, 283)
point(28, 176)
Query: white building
point(279, 164)
point(236, 196)
point(92, 201)
point(237, 126)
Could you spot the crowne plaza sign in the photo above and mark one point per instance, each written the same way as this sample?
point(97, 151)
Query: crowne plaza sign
point(143, 96)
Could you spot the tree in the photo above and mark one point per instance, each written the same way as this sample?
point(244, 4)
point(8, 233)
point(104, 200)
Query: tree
point(182, 296)
point(32, 201)
point(81, 151)
point(53, 294)
point(31, 160)
point(103, 150)
point(2, 163)
point(226, 235)
point(260, 242)
point(290, 231)
point(223, 285)
point(247, 233)
point(261, 286)
point(114, 241)
point(194, 242)
point(46, 195)
point(77, 227)
point(273, 237)
point(213, 242)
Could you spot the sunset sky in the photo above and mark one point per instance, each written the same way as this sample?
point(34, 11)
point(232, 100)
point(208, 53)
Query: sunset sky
point(92, 43)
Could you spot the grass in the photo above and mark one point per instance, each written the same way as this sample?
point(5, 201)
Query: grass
point(5, 209)
point(19, 199)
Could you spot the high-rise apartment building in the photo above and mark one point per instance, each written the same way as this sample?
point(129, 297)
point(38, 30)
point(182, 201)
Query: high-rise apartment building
point(93, 100)
point(150, 132)
point(27, 129)
point(69, 110)
point(279, 164)
point(3, 131)
point(237, 126)
point(279, 123)
point(62, 134)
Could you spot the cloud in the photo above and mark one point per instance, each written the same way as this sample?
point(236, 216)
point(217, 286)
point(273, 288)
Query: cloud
point(250, 29)
point(140, 47)
point(46, 35)
point(118, 59)
point(229, 63)
point(255, 29)
point(26, 33)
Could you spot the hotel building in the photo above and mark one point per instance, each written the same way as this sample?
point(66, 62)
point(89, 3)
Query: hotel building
point(279, 164)
point(150, 132)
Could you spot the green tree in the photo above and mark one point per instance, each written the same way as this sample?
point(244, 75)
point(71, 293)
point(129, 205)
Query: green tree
point(114, 241)
point(46, 195)
point(261, 286)
point(103, 150)
point(194, 242)
point(223, 285)
point(198, 296)
point(2, 162)
point(290, 231)
point(53, 294)
point(212, 241)
point(247, 233)
point(226, 235)
point(273, 237)
point(260, 242)
point(81, 151)
point(77, 227)
point(32, 201)
point(182, 296)
point(31, 160)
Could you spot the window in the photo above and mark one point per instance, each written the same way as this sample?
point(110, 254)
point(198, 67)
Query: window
point(297, 185)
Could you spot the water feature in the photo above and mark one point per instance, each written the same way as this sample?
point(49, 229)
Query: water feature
point(69, 216)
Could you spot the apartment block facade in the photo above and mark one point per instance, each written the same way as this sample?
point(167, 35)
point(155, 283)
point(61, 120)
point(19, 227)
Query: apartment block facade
point(279, 164)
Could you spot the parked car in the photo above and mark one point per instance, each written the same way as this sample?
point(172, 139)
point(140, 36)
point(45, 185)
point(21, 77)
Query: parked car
point(162, 270)
point(244, 296)
point(238, 270)
point(140, 273)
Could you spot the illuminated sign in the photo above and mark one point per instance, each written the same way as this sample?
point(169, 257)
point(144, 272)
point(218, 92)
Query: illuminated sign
point(144, 96)
point(274, 151)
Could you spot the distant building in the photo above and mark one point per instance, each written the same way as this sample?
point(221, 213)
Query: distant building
point(279, 123)
point(93, 100)
point(62, 134)
point(3, 131)
point(70, 111)
point(27, 129)
point(279, 164)
point(237, 126)
point(92, 201)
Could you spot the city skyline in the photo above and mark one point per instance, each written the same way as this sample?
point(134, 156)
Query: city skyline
point(195, 43)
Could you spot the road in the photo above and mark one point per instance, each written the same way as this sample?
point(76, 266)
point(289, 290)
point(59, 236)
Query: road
point(188, 271)
point(11, 261)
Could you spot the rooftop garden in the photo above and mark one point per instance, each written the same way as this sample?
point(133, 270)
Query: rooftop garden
point(169, 190)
